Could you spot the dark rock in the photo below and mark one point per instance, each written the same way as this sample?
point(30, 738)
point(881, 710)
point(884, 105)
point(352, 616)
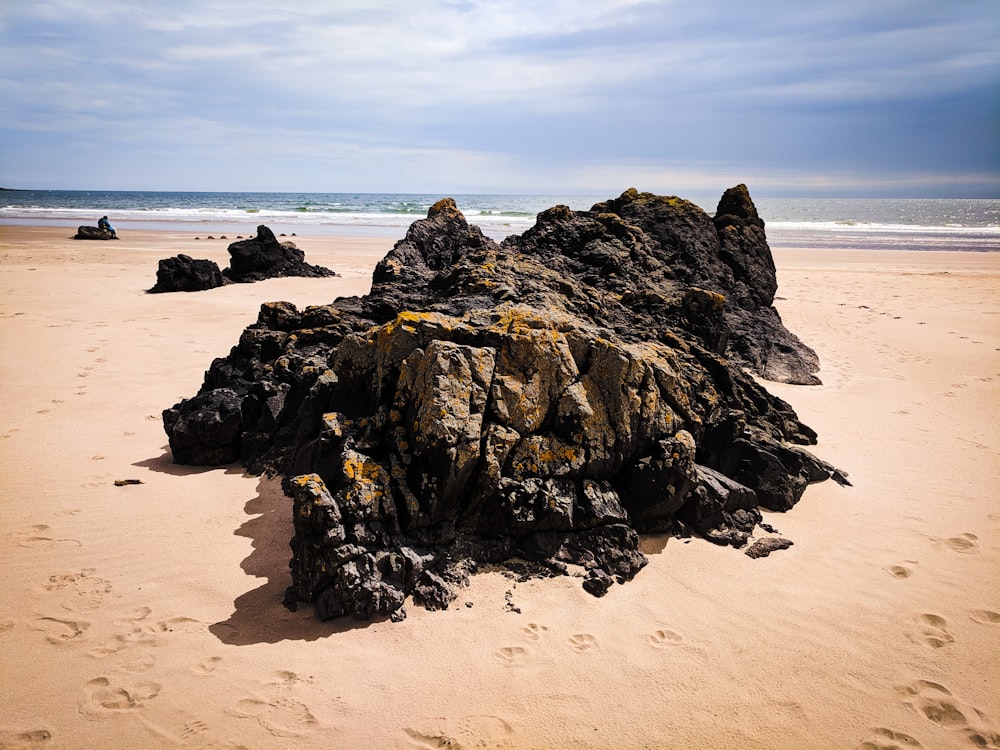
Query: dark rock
point(205, 430)
point(597, 582)
point(547, 398)
point(721, 509)
point(92, 233)
point(764, 547)
point(263, 257)
point(184, 274)
point(255, 259)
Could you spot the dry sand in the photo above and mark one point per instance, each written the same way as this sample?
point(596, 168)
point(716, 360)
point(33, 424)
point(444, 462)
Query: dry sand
point(149, 615)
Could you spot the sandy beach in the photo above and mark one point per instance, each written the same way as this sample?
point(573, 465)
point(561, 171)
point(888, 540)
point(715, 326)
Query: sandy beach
point(149, 615)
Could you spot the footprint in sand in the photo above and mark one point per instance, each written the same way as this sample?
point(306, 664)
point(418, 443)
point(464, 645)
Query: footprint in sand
point(467, 731)
point(85, 591)
point(138, 631)
point(178, 625)
point(62, 580)
point(138, 663)
point(582, 642)
point(965, 543)
point(137, 623)
point(533, 631)
point(284, 678)
point(932, 631)
point(103, 698)
point(664, 638)
point(511, 656)
point(38, 538)
point(938, 705)
point(192, 729)
point(983, 616)
point(899, 571)
point(887, 739)
point(206, 667)
point(119, 642)
point(282, 717)
point(59, 631)
point(27, 739)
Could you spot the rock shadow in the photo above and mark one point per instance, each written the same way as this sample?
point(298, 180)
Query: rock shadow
point(260, 615)
point(164, 464)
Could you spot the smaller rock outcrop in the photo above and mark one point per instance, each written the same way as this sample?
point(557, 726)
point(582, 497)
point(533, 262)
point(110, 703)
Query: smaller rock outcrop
point(255, 259)
point(263, 257)
point(93, 233)
point(185, 274)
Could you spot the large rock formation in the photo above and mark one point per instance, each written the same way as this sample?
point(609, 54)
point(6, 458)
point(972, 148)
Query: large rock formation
point(263, 257)
point(547, 398)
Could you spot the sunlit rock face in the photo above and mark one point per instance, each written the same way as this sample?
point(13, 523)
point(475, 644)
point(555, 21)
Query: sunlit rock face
point(547, 398)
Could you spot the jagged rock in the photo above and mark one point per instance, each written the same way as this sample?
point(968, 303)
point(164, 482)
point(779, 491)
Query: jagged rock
point(185, 274)
point(205, 430)
point(92, 233)
point(546, 399)
point(721, 509)
point(263, 257)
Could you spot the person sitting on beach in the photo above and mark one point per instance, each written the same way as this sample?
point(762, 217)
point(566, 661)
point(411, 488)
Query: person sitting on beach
point(104, 224)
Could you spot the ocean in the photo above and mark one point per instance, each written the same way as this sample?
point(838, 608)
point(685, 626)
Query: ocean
point(879, 223)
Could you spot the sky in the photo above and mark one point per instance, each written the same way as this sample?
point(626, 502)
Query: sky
point(838, 98)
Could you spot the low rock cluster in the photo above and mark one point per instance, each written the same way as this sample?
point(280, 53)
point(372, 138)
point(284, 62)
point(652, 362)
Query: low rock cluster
point(255, 259)
point(547, 399)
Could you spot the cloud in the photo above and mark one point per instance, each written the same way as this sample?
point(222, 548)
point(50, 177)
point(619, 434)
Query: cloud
point(530, 92)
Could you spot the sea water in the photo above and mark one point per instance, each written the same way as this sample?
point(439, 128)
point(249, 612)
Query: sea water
point(881, 223)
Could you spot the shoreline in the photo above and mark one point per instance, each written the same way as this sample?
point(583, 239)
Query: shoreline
point(150, 615)
point(827, 234)
point(778, 238)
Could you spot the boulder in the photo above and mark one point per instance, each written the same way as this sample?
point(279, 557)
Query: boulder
point(184, 274)
point(263, 257)
point(92, 233)
point(544, 399)
point(205, 430)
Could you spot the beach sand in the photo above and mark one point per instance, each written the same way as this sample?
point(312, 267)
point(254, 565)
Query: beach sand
point(149, 615)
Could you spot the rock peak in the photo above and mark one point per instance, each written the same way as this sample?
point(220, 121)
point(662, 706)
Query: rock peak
point(736, 201)
point(445, 206)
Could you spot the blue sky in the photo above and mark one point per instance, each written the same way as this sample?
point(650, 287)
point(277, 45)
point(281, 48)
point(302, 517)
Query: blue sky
point(866, 98)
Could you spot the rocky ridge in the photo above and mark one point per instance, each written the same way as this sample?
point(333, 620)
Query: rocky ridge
point(547, 398)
